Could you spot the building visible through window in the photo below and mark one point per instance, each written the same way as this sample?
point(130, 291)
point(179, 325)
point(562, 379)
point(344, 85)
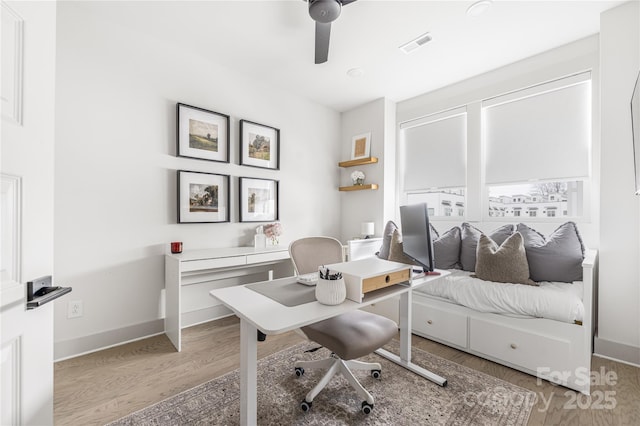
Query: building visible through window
point(534, 199)
point(440, 202)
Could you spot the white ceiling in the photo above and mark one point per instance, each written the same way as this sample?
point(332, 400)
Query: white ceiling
point(273, 41)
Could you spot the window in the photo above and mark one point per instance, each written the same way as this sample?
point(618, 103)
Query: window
point(440, 202)
point(537, 143)
point(432, 154)
point(525, 153)
point(548, 197)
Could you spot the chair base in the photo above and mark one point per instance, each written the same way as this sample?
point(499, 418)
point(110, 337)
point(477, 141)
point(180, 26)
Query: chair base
point(335, 365)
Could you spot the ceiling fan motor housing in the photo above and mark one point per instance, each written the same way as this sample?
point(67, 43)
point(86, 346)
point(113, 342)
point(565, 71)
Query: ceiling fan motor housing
point(324, 11)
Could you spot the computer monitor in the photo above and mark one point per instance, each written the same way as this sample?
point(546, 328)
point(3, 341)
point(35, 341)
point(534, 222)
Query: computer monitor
point(416, 235)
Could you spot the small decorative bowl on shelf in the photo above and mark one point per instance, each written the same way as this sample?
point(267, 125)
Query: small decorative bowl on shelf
point(357, 177)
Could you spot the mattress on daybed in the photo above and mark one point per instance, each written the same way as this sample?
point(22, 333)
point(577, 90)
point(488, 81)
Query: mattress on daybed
point(553, 300)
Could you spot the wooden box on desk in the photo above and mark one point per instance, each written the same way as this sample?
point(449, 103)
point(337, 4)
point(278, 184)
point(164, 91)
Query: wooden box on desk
point(366, 275)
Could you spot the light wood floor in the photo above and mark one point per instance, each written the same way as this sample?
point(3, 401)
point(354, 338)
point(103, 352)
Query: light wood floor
point(100, 387)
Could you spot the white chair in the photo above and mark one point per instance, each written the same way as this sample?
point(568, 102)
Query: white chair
point(349, 336)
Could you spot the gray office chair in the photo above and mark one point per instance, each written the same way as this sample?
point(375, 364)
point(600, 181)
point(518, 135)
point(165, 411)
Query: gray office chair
point(349, 336)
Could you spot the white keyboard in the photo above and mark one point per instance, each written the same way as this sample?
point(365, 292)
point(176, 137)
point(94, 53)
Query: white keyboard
point(308, 279)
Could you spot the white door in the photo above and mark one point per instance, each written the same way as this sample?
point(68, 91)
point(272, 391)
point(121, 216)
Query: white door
point(26, 214)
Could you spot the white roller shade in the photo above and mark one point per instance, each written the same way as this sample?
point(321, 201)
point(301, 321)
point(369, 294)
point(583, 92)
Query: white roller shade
point(433, 151)
point(539, 133)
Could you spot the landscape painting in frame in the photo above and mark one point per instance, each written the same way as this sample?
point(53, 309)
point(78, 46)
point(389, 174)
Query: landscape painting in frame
point(202, 197)
point(258, 200)
point(202, 134)
point(259, 145)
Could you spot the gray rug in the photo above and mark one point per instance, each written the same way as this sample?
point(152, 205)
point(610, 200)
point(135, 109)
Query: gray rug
point(402, 398)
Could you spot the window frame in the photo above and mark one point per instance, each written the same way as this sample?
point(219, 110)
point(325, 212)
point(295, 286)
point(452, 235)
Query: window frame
point(403, 194)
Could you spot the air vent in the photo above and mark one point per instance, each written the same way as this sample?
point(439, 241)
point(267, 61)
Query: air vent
point(415, 43)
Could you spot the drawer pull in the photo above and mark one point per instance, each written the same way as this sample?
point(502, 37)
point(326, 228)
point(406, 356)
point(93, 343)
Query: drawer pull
point(387, 279)
point(514, 346)
point(429, 322)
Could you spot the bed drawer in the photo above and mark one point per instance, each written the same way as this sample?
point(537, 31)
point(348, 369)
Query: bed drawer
point(522, 348)
point(440, 324)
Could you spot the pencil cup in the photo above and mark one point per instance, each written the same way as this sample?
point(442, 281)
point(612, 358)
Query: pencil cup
point(331, 292)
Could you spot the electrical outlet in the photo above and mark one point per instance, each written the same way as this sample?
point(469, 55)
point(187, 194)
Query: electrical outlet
point(74, 309)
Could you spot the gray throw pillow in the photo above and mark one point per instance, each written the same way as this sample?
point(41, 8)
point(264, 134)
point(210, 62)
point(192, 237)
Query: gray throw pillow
point(506, 263)
point(386, 240)
point(446, 249)
point(470, 237)
point(556, 258)
point(434, 232)
point(396, 251)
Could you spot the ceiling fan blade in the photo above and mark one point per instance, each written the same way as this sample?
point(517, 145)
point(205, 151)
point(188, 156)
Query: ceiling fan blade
point(323, 31)
point(346, 2)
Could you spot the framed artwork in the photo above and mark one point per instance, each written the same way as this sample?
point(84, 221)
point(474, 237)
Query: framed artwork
point(258, 200)
point(259, 145)
point(202, 134)
point(202, 197)
point(361, 146)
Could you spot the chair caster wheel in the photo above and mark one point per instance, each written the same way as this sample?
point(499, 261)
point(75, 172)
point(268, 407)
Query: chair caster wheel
point(305, 406)
point(366, 407)
point(299, 371)
point(376, 374)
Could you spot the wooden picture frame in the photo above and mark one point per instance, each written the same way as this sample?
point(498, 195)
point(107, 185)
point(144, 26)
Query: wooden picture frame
point(361, 146)
point(202, 134)
point(202, 197)
point(259, 145)
point(259, 200)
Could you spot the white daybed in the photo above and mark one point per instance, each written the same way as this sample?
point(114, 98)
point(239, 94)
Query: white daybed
point(553, 350)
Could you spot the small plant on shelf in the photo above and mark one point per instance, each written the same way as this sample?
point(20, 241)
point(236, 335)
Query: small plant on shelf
point(357, 177)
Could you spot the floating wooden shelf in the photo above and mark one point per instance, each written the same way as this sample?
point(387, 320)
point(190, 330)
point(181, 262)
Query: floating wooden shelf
point(358, 187)
point(358, 162)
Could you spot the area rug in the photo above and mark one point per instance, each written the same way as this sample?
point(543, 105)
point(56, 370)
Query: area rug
point(401, 397)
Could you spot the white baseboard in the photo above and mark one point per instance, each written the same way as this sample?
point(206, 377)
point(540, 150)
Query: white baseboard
point(95, 342)
point(200, 316)
point(616, 351)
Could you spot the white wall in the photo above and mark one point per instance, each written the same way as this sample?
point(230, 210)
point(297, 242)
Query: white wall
point(116, 168)
point(28, 152)
point(565, 60)
point(377, 117)
point(619, 296)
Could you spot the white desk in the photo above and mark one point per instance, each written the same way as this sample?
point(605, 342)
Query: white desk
point(195, 267)
point(259, 312)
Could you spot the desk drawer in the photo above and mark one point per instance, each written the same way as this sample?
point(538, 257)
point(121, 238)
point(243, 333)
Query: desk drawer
point(523, 348)
point(441, 324)
point(221, 262)
point(267, 257)
point(386, 280)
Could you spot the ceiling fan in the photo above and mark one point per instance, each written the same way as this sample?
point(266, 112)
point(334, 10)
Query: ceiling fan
point(324, 12)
